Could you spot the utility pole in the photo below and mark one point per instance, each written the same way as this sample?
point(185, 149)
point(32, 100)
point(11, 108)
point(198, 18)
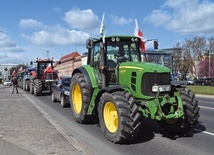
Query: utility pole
point(209, 63)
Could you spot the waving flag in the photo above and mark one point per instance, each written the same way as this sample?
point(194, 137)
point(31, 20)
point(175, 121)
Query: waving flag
point(20, 69)
point(14, 73)
point(138, 33)
point(49, 69)
point(102, 29)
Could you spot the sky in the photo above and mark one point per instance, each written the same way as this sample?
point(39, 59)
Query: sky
point(31, 29)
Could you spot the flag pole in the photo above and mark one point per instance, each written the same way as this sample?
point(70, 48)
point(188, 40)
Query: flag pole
point(102, 28)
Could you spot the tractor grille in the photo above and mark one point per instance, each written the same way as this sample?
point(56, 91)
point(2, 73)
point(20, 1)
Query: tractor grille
point(150, 79)
point(51, 76)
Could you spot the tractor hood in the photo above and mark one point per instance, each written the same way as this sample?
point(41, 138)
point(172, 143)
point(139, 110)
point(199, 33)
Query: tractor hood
point(144, 67)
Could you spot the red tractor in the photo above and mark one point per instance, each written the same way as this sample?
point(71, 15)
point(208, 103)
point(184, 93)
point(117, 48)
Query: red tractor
point(43, 77)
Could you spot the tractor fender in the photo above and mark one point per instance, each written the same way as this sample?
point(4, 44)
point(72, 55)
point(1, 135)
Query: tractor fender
point(109, 90)
point(84, 73)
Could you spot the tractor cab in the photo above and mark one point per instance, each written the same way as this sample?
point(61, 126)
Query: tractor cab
point(107, 57)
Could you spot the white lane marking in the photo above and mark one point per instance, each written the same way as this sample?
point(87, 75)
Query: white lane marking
point(209, 133)
point(206, 107)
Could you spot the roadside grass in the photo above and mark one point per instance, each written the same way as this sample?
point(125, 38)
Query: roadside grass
point(206, 90)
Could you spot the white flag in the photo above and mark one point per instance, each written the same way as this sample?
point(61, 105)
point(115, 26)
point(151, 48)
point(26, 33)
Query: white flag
point(102, 28)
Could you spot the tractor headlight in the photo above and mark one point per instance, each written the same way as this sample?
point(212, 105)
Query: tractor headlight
point(161, 88)
point(67, 93)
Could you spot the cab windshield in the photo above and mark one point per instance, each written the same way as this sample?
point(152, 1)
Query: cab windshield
point(122, 51)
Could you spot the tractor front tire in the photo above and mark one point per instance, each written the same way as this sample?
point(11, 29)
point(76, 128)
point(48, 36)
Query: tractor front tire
point(80, 95)
point(53, 98)
point(63, 101)
point(119, 117)
point(37, 87)
point(191, 114)
point(31, 87)
point(28, 85)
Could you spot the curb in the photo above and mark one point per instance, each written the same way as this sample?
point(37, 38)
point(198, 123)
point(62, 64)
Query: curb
point(73, 141)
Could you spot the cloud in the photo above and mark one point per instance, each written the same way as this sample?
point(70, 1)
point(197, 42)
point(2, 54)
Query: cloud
point(30, 23)
point(185, 17)
point(120, 20)
point(9, 51)
point(82, 19)
point(7, 44)
point(57, 35)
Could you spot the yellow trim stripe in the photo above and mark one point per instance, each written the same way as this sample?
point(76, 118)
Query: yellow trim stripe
point(130, 67)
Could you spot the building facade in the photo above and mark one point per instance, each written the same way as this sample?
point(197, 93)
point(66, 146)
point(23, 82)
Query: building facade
point(69, 62)
point(5, 70)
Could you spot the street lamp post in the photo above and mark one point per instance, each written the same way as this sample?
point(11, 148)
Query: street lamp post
point(47, 54)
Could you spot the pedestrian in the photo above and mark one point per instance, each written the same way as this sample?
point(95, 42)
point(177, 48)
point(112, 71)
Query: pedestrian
point(15, 84)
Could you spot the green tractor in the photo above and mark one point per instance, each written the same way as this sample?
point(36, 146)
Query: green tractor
point(118, 89)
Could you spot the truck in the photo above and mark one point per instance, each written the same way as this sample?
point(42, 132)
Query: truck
point(42, 78)
point(116, 88)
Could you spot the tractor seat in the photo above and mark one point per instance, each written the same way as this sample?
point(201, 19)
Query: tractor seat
point(111, 64)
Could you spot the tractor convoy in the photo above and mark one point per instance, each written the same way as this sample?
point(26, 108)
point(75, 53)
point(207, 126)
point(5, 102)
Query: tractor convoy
point(39, 78)
point(117, 89)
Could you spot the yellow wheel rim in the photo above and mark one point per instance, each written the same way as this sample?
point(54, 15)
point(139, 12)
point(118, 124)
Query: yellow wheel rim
point(77, 98)
point(110, 117)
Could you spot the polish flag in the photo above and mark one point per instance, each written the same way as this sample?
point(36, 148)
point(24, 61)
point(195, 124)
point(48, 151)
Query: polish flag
point(49, 69)
point(20, 69)
point(139, 34)
point(14, 73)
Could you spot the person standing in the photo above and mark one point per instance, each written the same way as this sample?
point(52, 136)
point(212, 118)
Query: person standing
point(15, 84)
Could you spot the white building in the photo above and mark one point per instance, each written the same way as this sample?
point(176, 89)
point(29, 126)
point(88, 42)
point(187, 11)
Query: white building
point(4, 74)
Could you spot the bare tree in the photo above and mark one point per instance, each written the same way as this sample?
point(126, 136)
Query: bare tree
point(177, 55)
point(194, 49)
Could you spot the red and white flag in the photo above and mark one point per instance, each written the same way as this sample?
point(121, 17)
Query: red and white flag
point(139, 34)
point(20, 69)
point(14, 73)
point(49, 69)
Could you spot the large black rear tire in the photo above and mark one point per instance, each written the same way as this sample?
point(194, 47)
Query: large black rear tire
point(31, 86)
point(37, 87)
point(27, 85)
point(119, 117)
point(190, 118)
point(80, 95)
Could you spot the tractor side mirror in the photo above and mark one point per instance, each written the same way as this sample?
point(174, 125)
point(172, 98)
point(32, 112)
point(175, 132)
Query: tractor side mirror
point(155, 44)
point(31, 63)
point(89, 43)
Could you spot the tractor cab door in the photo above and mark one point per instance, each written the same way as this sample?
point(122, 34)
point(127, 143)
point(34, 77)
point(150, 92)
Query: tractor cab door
point(95, 61)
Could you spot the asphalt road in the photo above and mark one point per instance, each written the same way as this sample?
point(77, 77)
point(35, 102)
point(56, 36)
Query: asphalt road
point(152, 139)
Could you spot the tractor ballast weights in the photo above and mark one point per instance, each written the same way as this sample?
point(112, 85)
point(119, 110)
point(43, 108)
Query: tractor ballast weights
point(118, 89)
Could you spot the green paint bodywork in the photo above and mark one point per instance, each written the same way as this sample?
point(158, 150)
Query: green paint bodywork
point(153, 104)
point(125, 72)
point(149, 106)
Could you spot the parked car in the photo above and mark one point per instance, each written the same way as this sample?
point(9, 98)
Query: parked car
point(7, 83)
point(61, 92)
point(190, 82)
point(203, 81)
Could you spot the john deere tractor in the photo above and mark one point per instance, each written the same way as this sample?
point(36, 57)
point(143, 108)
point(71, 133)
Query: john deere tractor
point(43, 77)
point(119, 89)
